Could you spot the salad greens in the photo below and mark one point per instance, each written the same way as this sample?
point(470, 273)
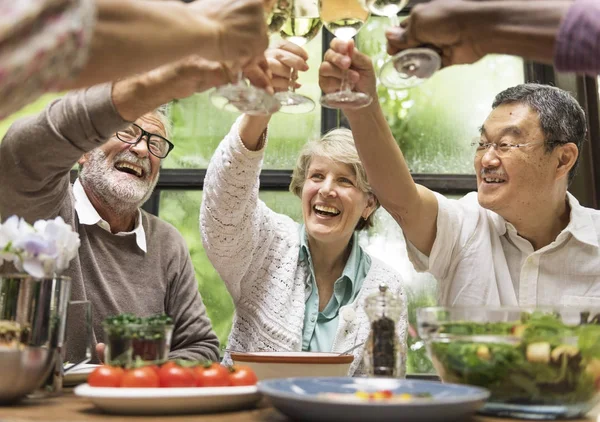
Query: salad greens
point(131, 339)
point(537, 360)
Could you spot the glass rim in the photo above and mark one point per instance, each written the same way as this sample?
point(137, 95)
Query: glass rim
point(29, 276)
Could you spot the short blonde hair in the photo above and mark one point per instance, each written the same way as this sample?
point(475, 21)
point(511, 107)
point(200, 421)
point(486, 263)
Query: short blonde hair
point(336, 145)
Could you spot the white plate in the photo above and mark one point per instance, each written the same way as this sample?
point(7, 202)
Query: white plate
point(154, 401)
point(302, 399)
point(78, 375)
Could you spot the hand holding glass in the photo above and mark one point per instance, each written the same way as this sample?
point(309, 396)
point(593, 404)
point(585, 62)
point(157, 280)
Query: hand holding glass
point(344, 18)
point(245, 98)
point(409, 67)
point(302, 26)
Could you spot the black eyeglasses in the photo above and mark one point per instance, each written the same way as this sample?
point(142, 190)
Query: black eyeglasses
point(157, 145)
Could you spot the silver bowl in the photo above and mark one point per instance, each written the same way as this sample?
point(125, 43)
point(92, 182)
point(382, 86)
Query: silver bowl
point(32, 329)
point(23, 371)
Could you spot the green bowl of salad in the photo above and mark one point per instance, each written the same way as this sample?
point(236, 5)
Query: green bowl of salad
point(537, 363)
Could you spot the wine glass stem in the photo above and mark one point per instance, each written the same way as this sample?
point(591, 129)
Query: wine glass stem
point(394, 21)
point(292, 81)
point(345, 85)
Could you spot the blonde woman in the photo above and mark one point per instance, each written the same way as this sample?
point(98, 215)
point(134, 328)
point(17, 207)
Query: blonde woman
point(295, 286)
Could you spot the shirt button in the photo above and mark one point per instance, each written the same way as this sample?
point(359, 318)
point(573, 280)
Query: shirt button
point(313, 319)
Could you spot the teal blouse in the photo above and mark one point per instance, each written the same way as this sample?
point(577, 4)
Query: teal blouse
point(320, 327)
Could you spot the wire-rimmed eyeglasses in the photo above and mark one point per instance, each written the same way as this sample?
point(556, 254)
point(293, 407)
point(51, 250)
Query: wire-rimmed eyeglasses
point(504, 148)
point(157, 145)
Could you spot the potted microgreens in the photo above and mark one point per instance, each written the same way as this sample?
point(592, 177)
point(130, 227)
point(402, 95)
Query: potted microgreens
point(131, 340)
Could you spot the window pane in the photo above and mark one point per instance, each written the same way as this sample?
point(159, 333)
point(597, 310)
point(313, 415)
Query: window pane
point(434, 122)
point(199, 127)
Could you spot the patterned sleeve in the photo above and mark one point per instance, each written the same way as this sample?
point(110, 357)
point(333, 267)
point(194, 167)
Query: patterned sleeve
point(577, 46)
point(43, 44)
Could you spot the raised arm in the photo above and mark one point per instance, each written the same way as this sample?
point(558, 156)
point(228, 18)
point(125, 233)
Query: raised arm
point(237, 228)
point(76, 44)
point(133, 36)
point(414, 207)
point(465, 31)
point(38, 152)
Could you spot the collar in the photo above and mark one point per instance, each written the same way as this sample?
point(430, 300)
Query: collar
point(349, 272)
point(87, 215)
point(580, 224)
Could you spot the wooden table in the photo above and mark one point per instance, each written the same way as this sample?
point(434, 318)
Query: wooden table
point(70, 408)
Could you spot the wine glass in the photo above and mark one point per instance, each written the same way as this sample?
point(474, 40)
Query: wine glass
point(344, 18)
point(302, 26)
point(410, 67)
point(247, 98)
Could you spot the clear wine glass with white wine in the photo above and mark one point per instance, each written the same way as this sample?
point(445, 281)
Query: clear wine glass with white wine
point(344, 18)
point(410, 67)
point(246, 98)
point(302, 26)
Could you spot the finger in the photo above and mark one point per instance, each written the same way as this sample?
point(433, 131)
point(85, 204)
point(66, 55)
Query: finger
point(278, 69)
point(328, 71)
point(329, 84)
point(293, 48)
point(288, 58)
point(258, 78)
point(399, 39)
point(100, 351)
point(341, 46)
point(281, 84)
point(340, 60)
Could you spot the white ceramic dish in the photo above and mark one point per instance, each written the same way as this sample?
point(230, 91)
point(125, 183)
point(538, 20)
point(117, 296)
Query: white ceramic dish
point(268, 365)
point(166, 401)
point(78, 375)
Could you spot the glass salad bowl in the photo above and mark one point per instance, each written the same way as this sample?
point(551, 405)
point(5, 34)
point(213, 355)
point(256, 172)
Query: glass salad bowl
point(537, 363)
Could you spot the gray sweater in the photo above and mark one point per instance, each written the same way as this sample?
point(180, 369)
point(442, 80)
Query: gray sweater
point(111, 271)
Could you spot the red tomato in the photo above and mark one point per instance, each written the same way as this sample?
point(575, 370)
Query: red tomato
point(242, 375)
point(211, 375)
point(106, 376)
point(176, 376)
point(141, 378)
point(155, 368)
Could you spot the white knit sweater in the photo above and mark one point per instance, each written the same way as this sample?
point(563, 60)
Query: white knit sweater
point(256, 251)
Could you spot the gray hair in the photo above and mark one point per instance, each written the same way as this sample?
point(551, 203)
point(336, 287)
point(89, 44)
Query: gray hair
point(336, 145)
point(562, 119)
point(162, 114)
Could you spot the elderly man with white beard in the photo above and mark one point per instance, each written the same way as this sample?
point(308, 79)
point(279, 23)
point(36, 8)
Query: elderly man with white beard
point(128, 261)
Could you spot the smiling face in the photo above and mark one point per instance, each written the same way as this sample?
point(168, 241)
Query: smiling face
point(521, 178)
point(332, 204)
point(123, 175)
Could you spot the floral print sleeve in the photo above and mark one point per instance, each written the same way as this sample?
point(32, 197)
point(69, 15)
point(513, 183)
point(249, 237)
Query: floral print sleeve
point(43, 44)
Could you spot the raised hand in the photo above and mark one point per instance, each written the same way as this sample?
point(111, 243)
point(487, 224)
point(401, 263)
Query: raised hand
point(437, 24)
point(240, 28)
point(272, 72)
point(344, 55)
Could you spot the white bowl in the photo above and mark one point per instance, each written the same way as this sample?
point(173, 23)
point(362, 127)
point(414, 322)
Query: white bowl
point(269, 365)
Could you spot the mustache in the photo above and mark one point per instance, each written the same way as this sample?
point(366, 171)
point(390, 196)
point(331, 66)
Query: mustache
point(491, 173)
point(130, 158)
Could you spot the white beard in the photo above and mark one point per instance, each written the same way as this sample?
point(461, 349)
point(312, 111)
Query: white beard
point(118, 190)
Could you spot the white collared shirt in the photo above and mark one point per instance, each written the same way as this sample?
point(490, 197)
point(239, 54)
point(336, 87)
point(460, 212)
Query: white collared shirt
point(87, 214)
point(479, 259)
